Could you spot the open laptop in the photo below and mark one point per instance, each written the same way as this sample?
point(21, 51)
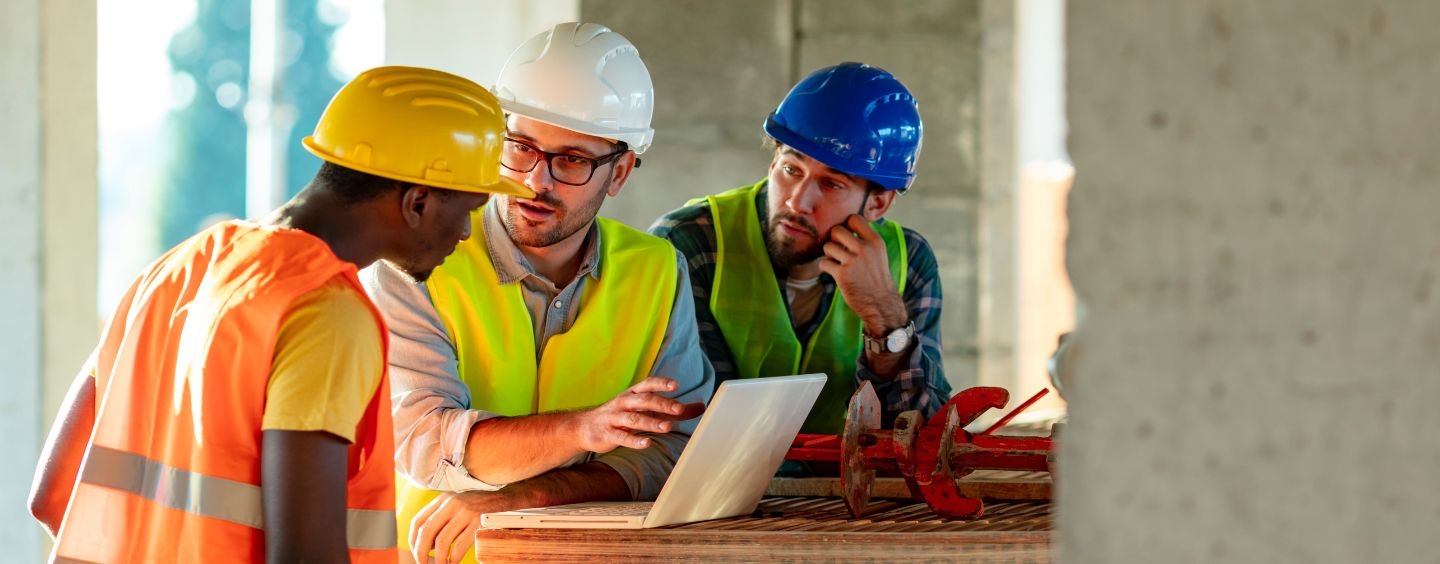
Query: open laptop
point(723, 472)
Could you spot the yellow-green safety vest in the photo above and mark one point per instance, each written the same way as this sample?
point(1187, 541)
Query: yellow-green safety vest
point(612, 345)
point(750, 309)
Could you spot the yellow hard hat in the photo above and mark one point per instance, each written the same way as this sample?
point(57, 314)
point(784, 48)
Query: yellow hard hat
point(417, 125)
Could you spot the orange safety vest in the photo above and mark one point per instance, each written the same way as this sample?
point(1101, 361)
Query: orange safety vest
point(172, 470)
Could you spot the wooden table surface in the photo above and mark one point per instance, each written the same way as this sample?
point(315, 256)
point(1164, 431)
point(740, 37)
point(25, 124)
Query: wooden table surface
point(791, 529)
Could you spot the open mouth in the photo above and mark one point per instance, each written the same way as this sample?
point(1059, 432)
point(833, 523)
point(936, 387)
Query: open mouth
point(534, 211)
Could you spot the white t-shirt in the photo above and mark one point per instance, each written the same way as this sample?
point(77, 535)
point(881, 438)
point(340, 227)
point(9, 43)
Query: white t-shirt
point(804, 298)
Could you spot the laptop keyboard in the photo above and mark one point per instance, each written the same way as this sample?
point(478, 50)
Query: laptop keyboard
point(617, 510)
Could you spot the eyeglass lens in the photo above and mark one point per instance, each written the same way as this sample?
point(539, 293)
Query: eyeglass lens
point(569, 169)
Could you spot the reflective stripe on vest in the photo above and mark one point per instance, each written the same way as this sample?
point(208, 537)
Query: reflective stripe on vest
point(172, 468)
point(217, 498)
point(750, 308)
point(612, 345)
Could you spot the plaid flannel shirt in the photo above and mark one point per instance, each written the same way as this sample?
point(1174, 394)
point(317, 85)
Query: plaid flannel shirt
point(919, 385)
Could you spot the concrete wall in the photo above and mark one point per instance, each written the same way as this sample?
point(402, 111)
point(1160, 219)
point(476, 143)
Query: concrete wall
point(471, 39)
point(721, 67)
point(1254, 228)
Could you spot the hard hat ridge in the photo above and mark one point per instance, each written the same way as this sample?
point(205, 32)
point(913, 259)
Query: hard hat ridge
point(419, 126)
point(856, 119)
point(583, 77)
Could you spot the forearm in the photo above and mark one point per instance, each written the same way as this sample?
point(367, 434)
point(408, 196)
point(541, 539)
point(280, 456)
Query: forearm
point(918, 381)
point(886, 315)
point(503, 450)
point(592, 481)
point(59, 465)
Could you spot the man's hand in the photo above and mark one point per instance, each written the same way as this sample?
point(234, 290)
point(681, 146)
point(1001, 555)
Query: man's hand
point(505, 450)
point(855, 258)
point(448, 524)
point(640, 409)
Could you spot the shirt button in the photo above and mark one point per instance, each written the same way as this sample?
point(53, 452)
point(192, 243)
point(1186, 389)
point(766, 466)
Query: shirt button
point(557, 304)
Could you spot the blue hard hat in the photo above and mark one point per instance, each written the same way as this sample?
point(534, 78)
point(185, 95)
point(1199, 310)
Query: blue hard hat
point(855, 118)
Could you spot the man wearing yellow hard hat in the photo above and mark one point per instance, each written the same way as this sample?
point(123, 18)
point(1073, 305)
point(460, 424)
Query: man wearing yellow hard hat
point(237, 406)
point(554, 358)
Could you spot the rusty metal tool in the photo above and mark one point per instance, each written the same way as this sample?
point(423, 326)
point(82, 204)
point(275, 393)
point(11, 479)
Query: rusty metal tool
point(931, 455)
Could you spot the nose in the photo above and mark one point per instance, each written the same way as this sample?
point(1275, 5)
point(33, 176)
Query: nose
point(465, 232)
point(539, 178)
point(802, 198)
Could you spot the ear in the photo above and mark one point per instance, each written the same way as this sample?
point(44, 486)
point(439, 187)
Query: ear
point(620, 172)
point(413, 201)
point(877, 202)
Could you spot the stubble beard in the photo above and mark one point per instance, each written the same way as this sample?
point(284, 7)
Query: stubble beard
point(561, 226)
point(786, 252)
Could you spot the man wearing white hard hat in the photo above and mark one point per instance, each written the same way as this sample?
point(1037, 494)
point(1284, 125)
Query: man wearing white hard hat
point(554, 358)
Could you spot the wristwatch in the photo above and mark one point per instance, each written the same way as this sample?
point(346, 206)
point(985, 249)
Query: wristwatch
point(893, 342)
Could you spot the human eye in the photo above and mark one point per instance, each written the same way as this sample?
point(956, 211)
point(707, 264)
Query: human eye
point(518, 148)
point(572, 160)
point(571, 164)
point(790, 170)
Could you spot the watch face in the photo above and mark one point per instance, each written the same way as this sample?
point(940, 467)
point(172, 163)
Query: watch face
point(896, 340)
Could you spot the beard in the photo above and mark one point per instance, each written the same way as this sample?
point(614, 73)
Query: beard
point(560, 226)
point(786, 252)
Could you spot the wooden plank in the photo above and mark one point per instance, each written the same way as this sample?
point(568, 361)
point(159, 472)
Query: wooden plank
point(795, 530)
point(1011, 486)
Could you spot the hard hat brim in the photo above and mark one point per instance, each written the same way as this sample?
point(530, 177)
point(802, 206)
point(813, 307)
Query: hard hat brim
point(815, 151)
point(503, 186)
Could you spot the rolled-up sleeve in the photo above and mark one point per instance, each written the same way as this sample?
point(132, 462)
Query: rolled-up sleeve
point(430, 405)
point(682, 360)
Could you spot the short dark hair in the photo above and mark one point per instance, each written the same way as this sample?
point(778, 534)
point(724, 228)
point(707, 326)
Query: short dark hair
point(352, 185)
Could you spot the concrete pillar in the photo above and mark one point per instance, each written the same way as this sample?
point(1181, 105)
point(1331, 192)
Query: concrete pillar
point(49, 225)
point(996, 305)
point(1254, 231)
point(20, 297)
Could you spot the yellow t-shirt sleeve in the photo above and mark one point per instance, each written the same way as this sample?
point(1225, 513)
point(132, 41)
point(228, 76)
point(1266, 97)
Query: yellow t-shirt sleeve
point(328, 363)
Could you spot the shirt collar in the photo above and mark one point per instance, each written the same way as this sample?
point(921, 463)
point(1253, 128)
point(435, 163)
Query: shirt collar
point(512, 266)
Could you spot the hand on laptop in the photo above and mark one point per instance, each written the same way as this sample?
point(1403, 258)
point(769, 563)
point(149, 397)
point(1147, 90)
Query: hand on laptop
point(640, 409)
point(448, 523)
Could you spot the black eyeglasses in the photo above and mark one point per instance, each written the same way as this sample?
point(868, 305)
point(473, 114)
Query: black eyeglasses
point(575, 170)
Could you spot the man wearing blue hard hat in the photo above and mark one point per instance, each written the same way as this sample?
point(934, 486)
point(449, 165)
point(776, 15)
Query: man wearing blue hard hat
point(801, 273)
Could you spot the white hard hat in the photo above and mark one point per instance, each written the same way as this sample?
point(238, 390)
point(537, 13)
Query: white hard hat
point(582, 77)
